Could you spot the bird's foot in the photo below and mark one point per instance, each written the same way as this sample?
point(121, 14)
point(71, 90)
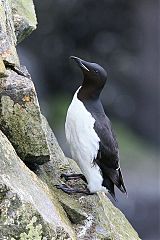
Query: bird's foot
point(70, 190)
point(73, 176)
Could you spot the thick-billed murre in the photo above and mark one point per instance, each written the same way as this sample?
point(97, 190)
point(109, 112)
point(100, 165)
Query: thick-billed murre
point(90, 135)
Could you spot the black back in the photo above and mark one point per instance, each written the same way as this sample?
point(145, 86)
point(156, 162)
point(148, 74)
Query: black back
point(108, 154)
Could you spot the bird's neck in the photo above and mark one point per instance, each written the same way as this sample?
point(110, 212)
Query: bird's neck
point(92, 103)
point(89, 92)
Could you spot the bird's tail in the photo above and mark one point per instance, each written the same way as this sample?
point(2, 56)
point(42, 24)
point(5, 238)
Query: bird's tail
point(115, 177)
point(110, 186)
point(122, 185)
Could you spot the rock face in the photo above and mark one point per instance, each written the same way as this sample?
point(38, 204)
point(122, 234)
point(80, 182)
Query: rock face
point(28, 208)
point(24, 18)
point(20, 117)
point(17, 20)
point(31, 208)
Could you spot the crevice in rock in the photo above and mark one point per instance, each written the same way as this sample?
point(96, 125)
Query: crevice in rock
point(74, 216)
point(34, 167)
point(22, 71)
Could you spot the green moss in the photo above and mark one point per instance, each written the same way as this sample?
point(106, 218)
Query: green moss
point(34, 231)
point(24, 18)
point(22, 125)
point(115, 222)
point(24, 197)
point(26, 9)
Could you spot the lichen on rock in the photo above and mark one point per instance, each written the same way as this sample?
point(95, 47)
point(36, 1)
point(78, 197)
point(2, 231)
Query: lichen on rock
point(20, 118)
point(17, 21)
point(24, 18)
point(7, 34)
point(25, 198)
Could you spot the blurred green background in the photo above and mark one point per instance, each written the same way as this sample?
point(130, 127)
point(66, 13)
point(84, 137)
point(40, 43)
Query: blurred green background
point(122, 36)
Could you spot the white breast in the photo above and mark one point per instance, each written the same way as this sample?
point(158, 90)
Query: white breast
point(84, 142)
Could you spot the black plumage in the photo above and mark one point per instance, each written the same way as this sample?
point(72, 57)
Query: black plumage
point(108, 154)
point(104, 146)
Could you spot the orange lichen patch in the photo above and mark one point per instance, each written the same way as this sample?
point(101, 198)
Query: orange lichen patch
point(5, 53)
point(26, 99)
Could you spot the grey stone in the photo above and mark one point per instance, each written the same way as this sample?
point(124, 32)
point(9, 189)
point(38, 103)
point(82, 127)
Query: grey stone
point(20, 118)
point(2, 68)
point(17, 21)
point(24, 18)
point(28, 209)
point(7, 34)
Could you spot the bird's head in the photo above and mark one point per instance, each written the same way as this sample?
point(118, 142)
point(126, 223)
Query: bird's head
point(93, 73)
point(94, 76)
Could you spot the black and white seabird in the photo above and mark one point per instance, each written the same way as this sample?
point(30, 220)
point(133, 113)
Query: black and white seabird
point(90, 135)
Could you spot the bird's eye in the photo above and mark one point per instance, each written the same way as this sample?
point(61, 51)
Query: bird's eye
point(96, 71)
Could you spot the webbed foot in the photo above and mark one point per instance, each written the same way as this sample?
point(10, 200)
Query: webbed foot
point(73, 176)
point(70, 190)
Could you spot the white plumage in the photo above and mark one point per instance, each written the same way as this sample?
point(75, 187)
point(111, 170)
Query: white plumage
point(84, 143)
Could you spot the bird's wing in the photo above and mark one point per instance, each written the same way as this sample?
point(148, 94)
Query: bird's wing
point(108, 155)
point(108, 144)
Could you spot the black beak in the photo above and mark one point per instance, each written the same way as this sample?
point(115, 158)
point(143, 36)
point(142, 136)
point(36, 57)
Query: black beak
point(80, 63)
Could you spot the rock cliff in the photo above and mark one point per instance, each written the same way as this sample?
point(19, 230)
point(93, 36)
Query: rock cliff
point(30, 205)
